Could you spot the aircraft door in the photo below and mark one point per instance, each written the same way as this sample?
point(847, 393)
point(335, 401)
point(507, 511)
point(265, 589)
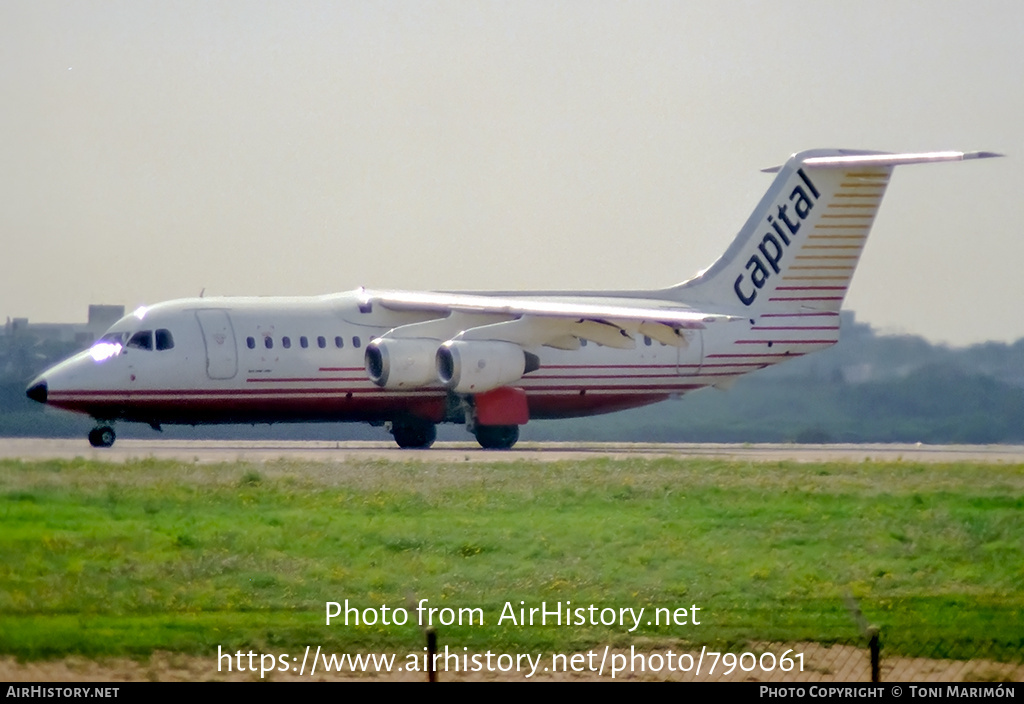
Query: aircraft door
point(219, 338)
point(690, 359)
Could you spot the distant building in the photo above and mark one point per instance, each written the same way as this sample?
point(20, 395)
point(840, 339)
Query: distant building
point(101, 317)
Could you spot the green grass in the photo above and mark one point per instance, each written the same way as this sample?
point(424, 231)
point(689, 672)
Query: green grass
point(107, 559)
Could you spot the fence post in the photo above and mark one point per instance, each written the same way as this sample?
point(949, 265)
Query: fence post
point(872, 634)
point(876, 651)
point(431, 651)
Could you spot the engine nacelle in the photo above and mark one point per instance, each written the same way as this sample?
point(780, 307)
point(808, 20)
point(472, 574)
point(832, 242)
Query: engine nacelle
point(401, 364)
point(473, 367)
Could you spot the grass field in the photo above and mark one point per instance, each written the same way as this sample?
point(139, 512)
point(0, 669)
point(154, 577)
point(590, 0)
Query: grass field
point(123, 559)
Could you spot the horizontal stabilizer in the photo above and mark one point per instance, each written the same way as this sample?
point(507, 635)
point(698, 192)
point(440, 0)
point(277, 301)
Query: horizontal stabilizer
point(862, 159)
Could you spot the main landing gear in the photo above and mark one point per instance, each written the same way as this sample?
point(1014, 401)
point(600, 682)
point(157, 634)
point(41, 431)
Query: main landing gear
point(496, 437)
point(414, 436)
point(102, 436)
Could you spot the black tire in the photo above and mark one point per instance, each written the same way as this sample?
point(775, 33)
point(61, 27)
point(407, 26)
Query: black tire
point(102, 436)
point(414, 436)
point(497, 437)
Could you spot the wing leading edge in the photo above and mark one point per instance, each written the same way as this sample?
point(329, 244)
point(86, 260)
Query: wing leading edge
point(552, 322)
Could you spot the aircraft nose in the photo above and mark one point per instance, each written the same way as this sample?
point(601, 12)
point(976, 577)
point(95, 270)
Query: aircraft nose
point(37, 392)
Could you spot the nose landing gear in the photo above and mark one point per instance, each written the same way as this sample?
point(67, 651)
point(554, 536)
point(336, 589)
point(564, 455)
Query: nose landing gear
point(102, 436)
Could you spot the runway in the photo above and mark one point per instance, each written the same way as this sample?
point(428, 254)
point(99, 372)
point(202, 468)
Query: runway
point(211, 451)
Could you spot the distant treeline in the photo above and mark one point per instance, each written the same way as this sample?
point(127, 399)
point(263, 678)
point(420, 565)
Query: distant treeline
point(868, 388)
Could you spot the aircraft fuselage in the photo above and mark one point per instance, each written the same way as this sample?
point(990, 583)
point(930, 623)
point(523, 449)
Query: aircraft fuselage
point(260, 360)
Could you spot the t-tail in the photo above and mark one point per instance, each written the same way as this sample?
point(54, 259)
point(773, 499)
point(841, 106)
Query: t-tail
point(797, 252)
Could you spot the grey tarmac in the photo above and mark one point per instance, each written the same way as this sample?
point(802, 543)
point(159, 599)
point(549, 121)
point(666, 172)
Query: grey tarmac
point(211, 451)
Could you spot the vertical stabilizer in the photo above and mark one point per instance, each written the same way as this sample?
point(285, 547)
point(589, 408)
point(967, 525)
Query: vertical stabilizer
point(799, 249)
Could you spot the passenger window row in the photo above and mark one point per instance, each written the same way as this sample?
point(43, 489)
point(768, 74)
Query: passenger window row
point(286, 342)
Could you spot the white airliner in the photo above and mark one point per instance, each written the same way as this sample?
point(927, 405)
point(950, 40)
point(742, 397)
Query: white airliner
point(494, 361)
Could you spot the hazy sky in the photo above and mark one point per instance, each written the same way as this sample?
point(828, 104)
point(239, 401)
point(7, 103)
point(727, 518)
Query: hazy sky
point(149, 150)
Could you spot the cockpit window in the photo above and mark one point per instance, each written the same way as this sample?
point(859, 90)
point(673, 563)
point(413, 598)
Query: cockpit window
point(142, 340)
point(114, 338)
point(164, 339)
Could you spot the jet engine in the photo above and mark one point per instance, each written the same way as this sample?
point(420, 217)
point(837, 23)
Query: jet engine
point(401, 364)
point(472, 367)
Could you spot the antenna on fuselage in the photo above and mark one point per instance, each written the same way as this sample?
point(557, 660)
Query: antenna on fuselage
point(202, 292)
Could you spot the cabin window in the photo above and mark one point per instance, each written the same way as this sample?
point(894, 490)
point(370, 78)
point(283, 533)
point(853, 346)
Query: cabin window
point(142, 340)
point(356, 342)
point(164, 339)
point(338, 342)
point(268, 342)
point(286, 342)
point(303, 342)
point(647, 341)
point(250, 342)
point(321, 342)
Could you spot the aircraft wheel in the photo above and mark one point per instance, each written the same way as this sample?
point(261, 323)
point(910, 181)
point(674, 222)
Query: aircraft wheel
point(497, 437)
point(414, 436)
point(102, 436)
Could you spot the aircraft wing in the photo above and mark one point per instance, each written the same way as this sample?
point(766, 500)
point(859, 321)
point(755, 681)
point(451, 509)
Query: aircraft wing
point(545, 320)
